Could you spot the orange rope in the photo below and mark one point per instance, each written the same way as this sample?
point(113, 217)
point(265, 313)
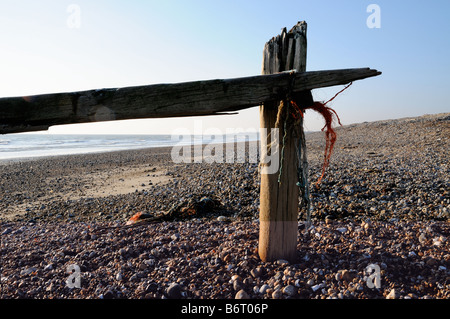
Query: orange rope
point(330, 135)
point(338, 93)
point(297, 111)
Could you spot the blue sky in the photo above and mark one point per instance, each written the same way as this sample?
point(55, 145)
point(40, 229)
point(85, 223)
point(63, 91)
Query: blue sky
point(125, 43)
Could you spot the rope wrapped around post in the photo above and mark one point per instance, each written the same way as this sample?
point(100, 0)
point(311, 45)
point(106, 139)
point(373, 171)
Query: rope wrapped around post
point(290, 114)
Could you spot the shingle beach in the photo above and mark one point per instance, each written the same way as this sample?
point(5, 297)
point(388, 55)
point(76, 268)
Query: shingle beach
point(382, 212)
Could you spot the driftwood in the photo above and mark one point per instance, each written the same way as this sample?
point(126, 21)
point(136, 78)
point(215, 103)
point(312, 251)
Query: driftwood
point(212, 97)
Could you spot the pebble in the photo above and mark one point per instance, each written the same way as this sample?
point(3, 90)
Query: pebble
point(48, 267)
point(238, 285)
point(277, 294)
point(317, 287)
point(290, 290)
point(282, 262)
point(51, 287)
point(348, 275)
point(174, 291)
point(108, 295)
point(393, 294)
point(257, 272)
point(6, 231)
point(264, 288)
point(28, 271)
point(241, 294)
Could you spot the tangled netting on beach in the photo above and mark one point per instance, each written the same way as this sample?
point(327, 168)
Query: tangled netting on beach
point(199, 205)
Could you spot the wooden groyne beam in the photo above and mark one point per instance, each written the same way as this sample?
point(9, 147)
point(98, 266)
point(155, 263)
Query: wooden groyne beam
point(212, 97)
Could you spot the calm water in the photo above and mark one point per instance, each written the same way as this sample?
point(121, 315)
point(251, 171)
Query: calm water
point(15, 146)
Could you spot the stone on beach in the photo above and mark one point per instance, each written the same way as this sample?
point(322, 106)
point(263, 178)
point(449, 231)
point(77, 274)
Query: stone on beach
point(174, 291)
point(393, 294)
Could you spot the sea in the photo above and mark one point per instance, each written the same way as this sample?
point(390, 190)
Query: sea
point(32, 145)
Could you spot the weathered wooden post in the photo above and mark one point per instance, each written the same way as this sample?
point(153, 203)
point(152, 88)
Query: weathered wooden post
point(279, 192)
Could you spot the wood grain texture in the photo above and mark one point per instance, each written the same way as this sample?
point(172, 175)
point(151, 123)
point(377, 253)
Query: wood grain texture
point(211, 97)
point(278, 191)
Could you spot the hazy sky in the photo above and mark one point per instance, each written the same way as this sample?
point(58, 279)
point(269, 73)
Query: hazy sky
point(57, 46)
